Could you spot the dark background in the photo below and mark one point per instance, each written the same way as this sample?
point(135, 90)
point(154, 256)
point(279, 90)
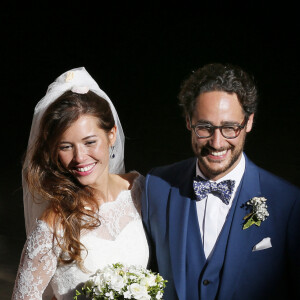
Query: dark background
point(139, 56)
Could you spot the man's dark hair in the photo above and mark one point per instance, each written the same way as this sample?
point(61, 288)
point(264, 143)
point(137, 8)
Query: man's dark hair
point(219, 77)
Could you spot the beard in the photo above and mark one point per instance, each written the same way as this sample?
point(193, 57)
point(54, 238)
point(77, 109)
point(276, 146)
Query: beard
point(212, 169)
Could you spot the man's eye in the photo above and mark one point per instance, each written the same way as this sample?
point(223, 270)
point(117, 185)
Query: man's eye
point(204, 127)
point(233, 128)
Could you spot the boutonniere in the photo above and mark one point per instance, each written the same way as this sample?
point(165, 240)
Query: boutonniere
point(259, 212)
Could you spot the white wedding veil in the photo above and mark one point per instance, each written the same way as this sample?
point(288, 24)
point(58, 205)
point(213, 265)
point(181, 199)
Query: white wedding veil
point(74, 79)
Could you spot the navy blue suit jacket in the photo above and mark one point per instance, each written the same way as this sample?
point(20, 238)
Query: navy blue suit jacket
point(169, 216)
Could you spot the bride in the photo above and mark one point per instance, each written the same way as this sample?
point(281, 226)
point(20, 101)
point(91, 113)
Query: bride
point(81, 210)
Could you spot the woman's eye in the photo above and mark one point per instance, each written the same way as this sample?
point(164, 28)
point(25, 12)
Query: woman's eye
point(65, 147)
point(90, 143)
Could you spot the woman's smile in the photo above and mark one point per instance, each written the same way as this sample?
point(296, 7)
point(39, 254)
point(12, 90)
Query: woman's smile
point(84, 170)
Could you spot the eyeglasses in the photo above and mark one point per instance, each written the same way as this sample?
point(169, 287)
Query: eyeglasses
point(204, 131)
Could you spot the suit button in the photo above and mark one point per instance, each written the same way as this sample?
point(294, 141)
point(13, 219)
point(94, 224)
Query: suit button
point(206, 282)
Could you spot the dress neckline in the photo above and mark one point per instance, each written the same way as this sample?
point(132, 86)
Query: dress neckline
point(119, 198)
point(105, 204)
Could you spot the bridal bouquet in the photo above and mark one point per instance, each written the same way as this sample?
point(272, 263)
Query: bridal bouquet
point(118, 281)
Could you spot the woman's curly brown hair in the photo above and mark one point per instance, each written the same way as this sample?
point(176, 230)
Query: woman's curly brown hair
point(49, 180)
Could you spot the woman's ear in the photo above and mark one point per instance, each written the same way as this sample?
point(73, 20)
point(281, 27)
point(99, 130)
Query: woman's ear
point(112, 135)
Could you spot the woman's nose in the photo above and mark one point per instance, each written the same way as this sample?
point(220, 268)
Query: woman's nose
point(79, 154)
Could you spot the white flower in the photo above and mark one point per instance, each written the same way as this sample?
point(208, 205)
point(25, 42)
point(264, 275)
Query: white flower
point(118, 281)
point(110, 295)
point(69, 76)
point(137, 271)
point(259, 207)
point(98, 281)
point(133, 277)
point(127, 295)
point(139, 291)
point(108, 274)
point(259, 212)
point(148, 281)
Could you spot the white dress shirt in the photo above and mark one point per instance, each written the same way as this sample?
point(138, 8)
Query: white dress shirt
point(212, 212)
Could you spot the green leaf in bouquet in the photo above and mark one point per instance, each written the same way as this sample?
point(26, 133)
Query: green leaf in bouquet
point(248, 223)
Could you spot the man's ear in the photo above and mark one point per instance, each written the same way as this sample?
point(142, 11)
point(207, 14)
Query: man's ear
point(188, 122)
point(250, 123)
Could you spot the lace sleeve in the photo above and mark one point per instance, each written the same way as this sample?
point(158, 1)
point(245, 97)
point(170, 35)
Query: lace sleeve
point(37, 265)
point(136, 191)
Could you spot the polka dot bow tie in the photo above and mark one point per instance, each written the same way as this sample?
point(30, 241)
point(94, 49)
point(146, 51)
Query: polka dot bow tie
point(223, 189)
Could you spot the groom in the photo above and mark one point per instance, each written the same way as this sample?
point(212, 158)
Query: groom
point(208, 240)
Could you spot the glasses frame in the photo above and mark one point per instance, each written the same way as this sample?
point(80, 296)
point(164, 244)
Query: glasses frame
point(213, 128)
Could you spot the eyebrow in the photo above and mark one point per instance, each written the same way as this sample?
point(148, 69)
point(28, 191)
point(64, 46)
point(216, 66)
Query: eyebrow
point(88, 137)
point(85, 138)
point(202, 121)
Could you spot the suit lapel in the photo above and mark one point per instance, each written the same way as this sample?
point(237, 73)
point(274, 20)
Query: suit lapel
point(180, 206)
point(239, 240)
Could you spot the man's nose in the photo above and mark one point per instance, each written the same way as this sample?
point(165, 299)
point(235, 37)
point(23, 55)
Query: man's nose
point(217, 140)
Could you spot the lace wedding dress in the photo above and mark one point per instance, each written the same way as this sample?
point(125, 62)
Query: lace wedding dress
point(119, 238)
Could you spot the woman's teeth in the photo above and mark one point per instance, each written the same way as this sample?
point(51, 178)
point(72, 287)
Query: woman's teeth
point(87, 168)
